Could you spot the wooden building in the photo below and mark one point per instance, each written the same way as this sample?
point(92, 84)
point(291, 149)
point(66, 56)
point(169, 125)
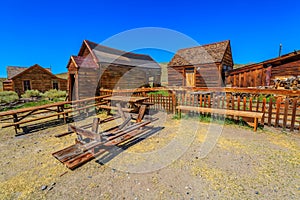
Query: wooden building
point(20, 79)
point(262, 74)
point(98, 66)
point(201, 66)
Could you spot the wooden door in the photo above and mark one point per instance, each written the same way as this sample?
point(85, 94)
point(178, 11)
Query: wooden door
point(190, 77)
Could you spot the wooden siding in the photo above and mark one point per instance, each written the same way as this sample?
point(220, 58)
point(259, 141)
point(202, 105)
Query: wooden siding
point(205, 75)
point(39, 80)
point(8, 86)
point(123, 77)
point(256, 76)
point(88, 79)
point(227, 59)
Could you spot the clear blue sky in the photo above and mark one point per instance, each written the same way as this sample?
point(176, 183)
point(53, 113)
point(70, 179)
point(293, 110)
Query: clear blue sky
point(48, 32)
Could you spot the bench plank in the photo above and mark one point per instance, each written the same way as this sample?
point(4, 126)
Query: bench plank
point(254, 115)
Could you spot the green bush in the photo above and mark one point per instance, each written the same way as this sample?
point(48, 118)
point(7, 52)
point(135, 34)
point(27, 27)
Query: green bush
point(55, 94)
point(31, 93)
point(160, 92)
point(8, 97)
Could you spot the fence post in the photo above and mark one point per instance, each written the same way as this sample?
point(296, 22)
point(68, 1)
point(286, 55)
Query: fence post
point(286, 107)
point(294, 108)
point(270, 112)
point(278, 101)
point(263, 110)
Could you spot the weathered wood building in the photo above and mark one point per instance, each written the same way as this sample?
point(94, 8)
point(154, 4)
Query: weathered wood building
point(262, 74)
point(20, 79)
point(98, 66)
point(201, 66)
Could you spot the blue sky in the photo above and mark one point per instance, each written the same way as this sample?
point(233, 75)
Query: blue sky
point(49, 32)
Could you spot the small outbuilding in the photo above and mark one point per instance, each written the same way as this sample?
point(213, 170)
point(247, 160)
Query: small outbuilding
point(97, 66)
point(20, 79)
point(262, 74)
point(201, 66)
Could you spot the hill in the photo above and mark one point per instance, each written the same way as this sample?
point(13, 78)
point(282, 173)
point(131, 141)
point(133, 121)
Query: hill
point(62, 75)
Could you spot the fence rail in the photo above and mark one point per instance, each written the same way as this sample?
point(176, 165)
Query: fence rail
point(281, 108)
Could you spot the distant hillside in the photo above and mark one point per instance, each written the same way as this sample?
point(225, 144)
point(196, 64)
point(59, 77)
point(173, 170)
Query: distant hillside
point(236, 66)
point(62, 75)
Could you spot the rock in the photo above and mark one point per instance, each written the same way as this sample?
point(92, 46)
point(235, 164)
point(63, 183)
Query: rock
point(148, 189)
point(90, 177)
point(44, 187)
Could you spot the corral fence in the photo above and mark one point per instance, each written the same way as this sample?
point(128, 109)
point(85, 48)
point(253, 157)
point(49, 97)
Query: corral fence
point(281, 108)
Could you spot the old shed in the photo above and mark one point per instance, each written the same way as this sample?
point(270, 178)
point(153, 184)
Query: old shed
point(97, 66)
point(20, 79)
point(262, 74)
point(201, 66)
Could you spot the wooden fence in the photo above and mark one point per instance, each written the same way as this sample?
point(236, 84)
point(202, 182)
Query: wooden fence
point(279, 106)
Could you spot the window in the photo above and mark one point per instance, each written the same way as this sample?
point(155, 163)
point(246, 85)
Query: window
point(55, 85)
point(26, 84)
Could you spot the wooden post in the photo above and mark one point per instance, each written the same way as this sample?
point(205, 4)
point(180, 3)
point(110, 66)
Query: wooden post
point(270, 112)
point(286, 107)
point(120, 111)
point(263, 110)
point(294, 109)
point(255, 124)
point(174, 102)
point(16, 120)
point(95, 124)
point(277, 111)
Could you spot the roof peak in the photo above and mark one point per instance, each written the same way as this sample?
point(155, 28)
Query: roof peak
point(205, 45)
point(114, 49)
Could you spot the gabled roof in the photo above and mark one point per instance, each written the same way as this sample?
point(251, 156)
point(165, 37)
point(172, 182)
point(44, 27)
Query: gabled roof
point(85, 62)
point(284, 59)
point(13, 71)
point(106, 55)
point(209, 53)
point(46, 70)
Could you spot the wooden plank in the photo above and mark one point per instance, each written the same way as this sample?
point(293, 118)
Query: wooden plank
point(120, 111)
point(95, 125)
point(141, 113)
point(278, 102)
point(244, 103)
point(263, 110)
point(222, 111)
point(270, 112)
point(85, 133)
point(286, 107)
point(294, 109)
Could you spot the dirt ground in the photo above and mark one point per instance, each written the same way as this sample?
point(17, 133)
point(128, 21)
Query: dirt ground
point(172, 163)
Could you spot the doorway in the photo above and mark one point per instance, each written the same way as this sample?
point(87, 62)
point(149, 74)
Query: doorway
point(71, 87)
point(190, 77)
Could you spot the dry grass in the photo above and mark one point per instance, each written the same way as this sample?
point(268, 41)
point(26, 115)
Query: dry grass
point(243, 165)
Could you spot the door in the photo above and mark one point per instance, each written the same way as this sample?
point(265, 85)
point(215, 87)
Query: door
point(190, 77)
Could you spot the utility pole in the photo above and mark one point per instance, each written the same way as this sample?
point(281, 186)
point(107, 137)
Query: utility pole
point(280, 49)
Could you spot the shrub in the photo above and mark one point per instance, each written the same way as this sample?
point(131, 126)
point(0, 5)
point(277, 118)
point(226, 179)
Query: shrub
point(55, 94)
point(8, 97)
point(160, 92)
point(31, 93)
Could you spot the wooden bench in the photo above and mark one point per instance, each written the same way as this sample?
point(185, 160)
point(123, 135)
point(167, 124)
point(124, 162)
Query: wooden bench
point(254, 115)
point(64, 112)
